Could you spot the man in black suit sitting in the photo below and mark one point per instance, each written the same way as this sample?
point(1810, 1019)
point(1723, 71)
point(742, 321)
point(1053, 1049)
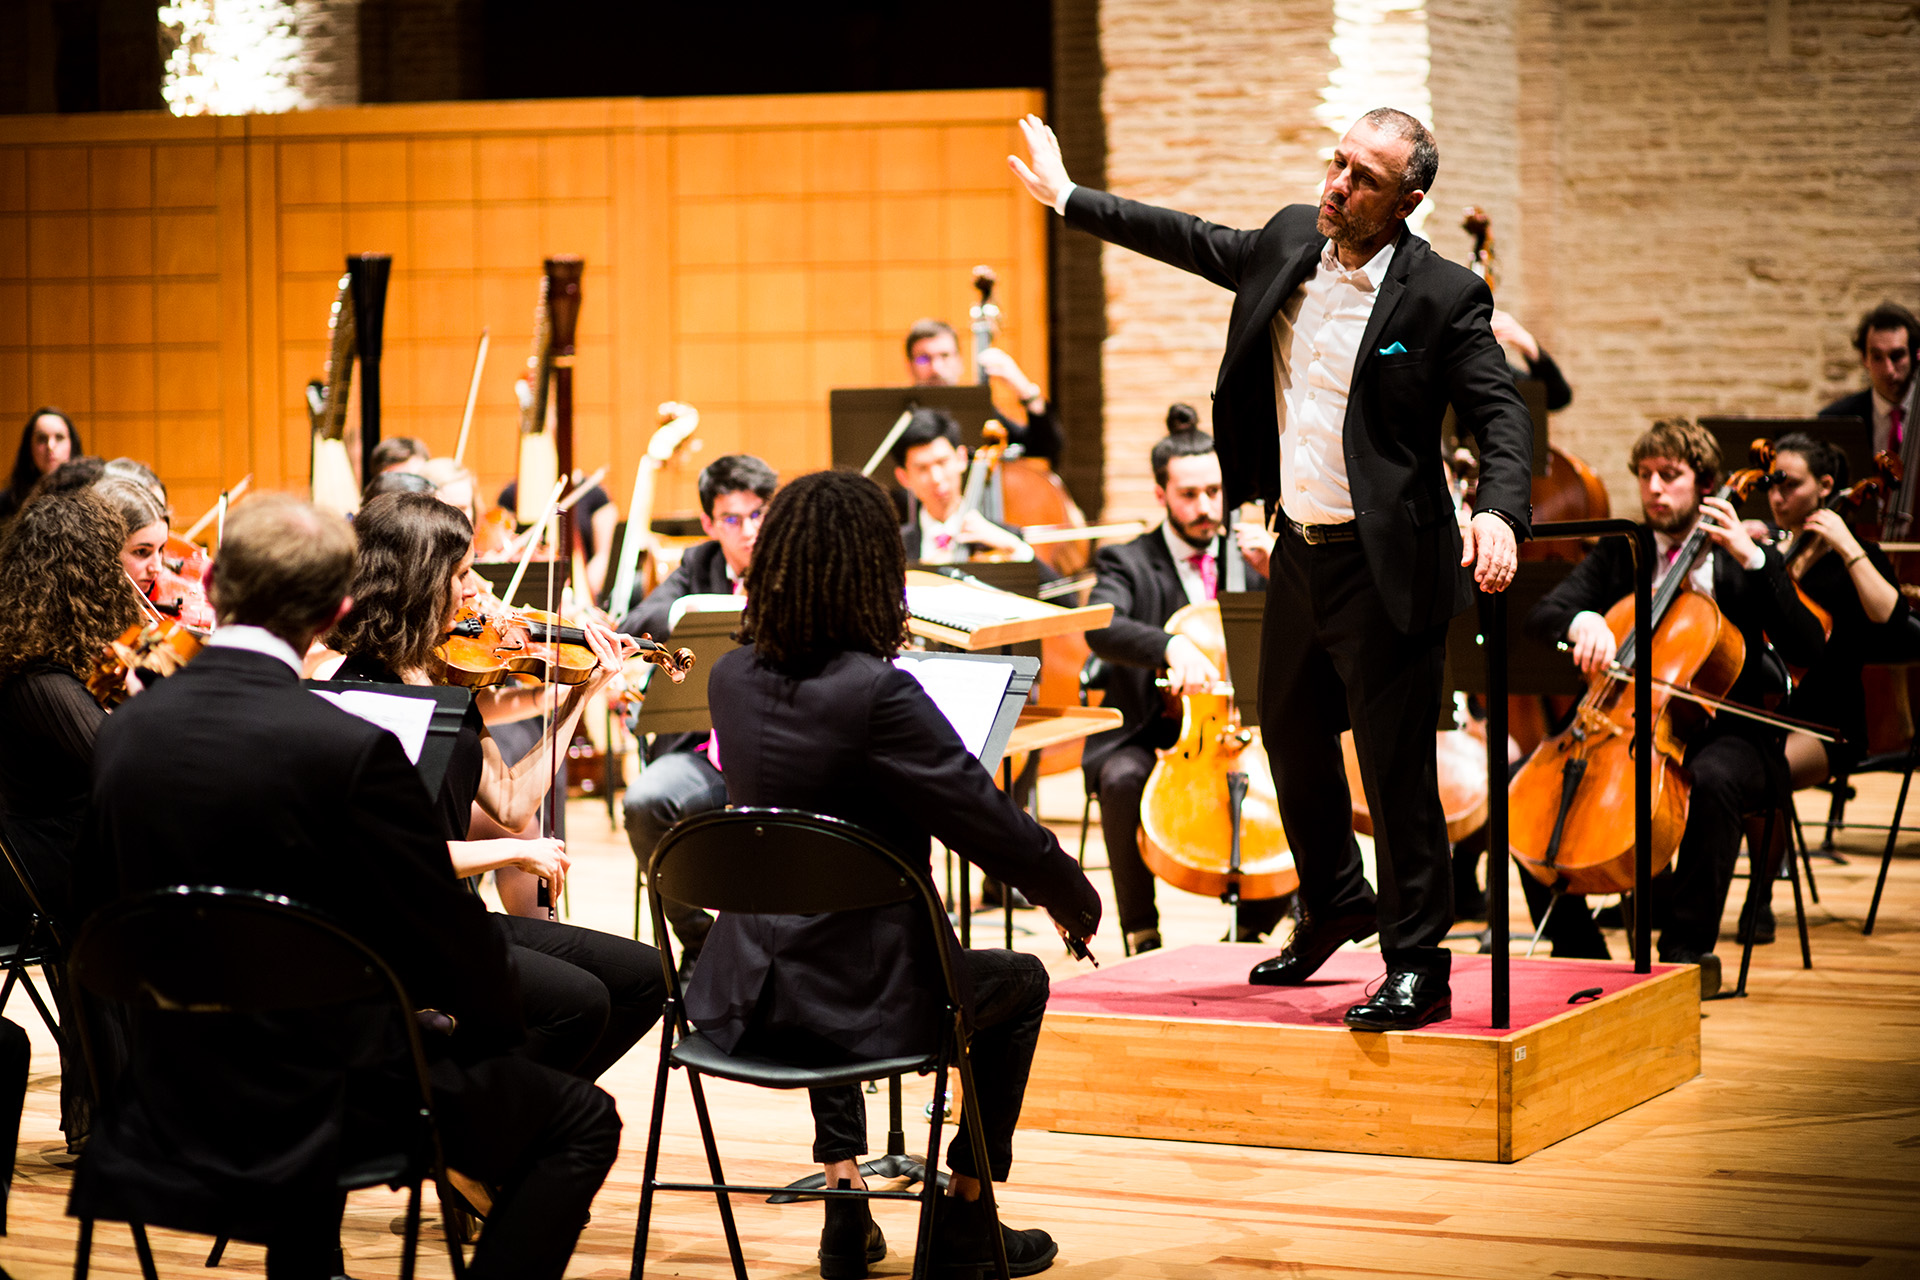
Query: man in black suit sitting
point(930, 463)
point(814, 715)
point(1147, 581)
point(230, 773)
point(1885, 338)
point(680, 779)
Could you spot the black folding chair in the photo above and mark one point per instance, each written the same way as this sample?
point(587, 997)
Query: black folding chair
point(40, 944)
point(199, 950)
point(785, 862)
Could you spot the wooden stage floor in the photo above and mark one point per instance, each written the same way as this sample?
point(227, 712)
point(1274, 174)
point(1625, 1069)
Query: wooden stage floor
point(1796, 1153)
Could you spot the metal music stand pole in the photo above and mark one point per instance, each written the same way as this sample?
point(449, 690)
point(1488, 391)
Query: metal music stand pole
point(1494, 618)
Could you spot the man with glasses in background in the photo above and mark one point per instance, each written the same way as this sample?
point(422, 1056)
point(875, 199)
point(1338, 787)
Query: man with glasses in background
point(933, 360)
point(681, 777)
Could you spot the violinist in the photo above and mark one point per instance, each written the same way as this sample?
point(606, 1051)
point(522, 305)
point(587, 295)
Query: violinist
point(681, 777)
point(1853, 581)
point(588, 996)
point(930, 463)
point(934, 360)
point(48, 439)
point(63, 599)
point(1146, 581)
point(1676, 464)
point(229, 773)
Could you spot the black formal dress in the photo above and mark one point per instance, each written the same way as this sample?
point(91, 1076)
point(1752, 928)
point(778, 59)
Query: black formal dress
point(860, 740)
point(586, 996)
point(1140, 580)
point(48, 722)
point(230, 773)
point(1356, 630)
point(1732, 759)
point(1830, 692)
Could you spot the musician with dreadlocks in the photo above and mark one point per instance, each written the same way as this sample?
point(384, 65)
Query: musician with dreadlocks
point(812, 714)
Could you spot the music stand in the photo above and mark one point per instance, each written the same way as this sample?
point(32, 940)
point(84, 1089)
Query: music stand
point(1026, 671)
point(861, 417)
point(449, 710)
point(1852, 436)
point(1534, 667)
point(682, 708)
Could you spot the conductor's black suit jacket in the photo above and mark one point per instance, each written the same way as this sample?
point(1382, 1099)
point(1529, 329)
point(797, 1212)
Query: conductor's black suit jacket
point(862, 741)
point(1437, 314)
point(1141, 582)
point(231, 773)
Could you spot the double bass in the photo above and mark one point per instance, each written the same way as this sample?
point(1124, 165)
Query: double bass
point(1571, 806)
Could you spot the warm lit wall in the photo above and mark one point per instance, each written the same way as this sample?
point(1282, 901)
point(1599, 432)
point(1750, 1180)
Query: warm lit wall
point(167, 281)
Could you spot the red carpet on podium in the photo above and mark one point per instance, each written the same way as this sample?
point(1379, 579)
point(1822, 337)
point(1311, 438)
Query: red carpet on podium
point(1210, 981)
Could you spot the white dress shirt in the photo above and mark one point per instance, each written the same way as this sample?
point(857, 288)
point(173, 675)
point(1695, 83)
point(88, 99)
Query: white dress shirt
point(1316, 344)
point(940, 541)
point(255, 640)
point(1183, 552)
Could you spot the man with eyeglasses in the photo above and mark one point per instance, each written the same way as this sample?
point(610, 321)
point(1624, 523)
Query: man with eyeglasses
point(681, 778)
point(933, 360)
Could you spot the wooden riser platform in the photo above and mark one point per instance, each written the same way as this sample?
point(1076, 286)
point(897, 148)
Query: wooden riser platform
point(1175, 1044)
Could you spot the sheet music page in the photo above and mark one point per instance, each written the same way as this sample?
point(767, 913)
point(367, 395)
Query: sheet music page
point(967, 693)
point(405, 718)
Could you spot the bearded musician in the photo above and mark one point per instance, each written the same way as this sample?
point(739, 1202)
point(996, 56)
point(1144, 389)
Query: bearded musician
point(1147, 581)
point(1677, 464)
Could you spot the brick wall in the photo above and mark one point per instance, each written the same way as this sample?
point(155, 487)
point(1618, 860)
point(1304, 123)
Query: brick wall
point(1079, 319)
point(1209, 108)
point(1693, 203)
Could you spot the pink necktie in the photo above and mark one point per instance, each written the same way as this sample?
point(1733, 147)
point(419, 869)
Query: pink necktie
point(1202, 562)
point(1897, 420)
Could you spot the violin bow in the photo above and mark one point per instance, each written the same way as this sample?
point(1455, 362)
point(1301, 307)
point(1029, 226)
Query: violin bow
point(526, 551)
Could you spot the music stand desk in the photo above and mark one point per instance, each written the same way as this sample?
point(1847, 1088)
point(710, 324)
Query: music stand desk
point(1027, 620)
point(1040, 727)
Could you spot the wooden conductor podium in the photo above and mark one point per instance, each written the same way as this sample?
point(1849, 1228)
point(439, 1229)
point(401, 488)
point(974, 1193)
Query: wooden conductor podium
point(1177, 1044)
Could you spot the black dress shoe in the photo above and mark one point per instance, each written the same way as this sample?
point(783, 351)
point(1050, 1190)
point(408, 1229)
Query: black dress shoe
point(1308, 949)
point(963, 1249)
point(1709, 969)
point(1763, 935)
point(1406, 1000)
point(851, 1240)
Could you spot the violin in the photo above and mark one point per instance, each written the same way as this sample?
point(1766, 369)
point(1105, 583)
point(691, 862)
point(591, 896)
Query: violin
point(155, 647)
point(486, 649)
point(1571, 806)
point(1187, 809)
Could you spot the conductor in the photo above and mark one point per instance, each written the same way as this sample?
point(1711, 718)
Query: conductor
point(1349, 337)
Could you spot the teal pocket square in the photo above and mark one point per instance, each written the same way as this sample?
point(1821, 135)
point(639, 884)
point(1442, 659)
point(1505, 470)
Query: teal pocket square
point(1395, 350)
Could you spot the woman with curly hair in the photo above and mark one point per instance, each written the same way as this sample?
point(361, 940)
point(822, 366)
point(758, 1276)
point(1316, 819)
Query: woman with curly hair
point(63, 599)
point(815, 715)
point(48, 439)
point(587, 996)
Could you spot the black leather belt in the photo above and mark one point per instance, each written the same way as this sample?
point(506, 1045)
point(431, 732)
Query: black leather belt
point(1316, 534)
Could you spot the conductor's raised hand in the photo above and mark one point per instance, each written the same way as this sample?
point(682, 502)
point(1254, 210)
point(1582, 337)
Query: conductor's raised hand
point(1487, 544)
point(1044, 174)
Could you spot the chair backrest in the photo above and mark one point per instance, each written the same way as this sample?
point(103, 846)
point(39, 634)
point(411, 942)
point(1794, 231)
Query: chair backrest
point(214, 950)
point(778, 862)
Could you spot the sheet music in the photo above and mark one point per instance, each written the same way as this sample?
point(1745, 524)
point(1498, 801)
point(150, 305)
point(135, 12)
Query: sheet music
point(967, 608)
point(405, 718)
point(967, 693)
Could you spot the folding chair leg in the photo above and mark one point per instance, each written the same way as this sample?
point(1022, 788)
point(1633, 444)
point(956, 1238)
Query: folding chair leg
point(218, 1251)
point(1800, 909)
point(83, 1250)
point(1760, 872)
point(977, 1132)
point(1893, 836)
point(46, 1014)
point(6, 988)
point(144, 1250)
point(652, 1165)
point(713, 1166)
point(410, 1242)
point(1806, 858)
point(1086, 824)
point(1836, 813)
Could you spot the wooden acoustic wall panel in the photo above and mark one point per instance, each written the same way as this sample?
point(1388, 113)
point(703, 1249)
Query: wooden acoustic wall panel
point(118, 302)
point(167, 281)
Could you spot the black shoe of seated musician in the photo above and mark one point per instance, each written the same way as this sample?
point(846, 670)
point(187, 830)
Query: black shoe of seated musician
point(1407, 999)
point(962, 1249)
point(1709, 969)
point(993, 894)
point(1312, 942)
point(850, 1241)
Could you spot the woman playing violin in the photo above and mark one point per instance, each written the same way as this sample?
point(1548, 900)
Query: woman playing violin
point(63, 598)
point(143, 553)
point(1853, 581)
point(588, 996)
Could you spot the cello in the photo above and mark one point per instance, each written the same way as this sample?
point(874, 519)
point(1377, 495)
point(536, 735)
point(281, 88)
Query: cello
point(1209, 813)
point(1571, 806)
